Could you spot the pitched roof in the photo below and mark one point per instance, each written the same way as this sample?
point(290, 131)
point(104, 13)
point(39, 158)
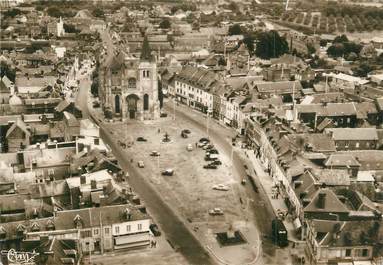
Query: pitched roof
point(331, 202)
point(90, 217)
point(341, 160)
point(281, 87)
point(355, 134)
point(18, 124)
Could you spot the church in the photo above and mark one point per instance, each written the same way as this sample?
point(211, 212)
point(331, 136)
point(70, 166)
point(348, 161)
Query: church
point(129, 86)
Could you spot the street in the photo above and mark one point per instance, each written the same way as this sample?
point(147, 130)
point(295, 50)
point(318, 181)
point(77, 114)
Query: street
point(178, 234)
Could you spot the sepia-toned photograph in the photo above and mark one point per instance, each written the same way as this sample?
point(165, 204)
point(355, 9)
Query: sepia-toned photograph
point(191, 132)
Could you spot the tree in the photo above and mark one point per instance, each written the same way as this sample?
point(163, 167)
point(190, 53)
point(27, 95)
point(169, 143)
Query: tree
point(363, 70)
point(310, 48)
point(271, 45)
point(69, 28)
point(221, 61)
point(235, 29)
point(248, 40)
point(6, 70)
point(165, 24)
point(54, 12)
point(336, 50)
point(12, 12)
point(98, 12)
point(340, 39)
point(323, 43)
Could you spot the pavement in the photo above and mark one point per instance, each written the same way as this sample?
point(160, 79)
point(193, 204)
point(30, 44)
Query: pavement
point(191, 179)
point(180, 236)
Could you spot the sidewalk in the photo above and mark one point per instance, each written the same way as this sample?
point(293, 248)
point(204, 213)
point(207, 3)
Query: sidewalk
point(268, 183)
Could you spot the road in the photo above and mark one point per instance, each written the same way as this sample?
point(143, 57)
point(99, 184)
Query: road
point(174, 228)
point(262, 209)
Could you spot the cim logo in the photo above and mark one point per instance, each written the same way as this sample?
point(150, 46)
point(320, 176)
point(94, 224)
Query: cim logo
point(19, 258)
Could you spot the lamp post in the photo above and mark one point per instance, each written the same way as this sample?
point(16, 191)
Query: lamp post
point(207, 121)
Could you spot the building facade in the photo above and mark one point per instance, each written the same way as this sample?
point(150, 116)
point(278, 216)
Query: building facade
point(129, 86)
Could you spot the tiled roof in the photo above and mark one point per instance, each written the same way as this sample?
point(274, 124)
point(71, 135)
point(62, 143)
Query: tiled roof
point(342, 160)
point(331, 203)
point(281, 87)
point(363, 134)
point(18, 124)
point(93, 216)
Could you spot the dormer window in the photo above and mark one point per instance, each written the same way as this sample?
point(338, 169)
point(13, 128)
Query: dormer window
point(77, 221)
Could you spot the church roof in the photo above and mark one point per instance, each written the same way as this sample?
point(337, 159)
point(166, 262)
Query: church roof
point(115, 62)
point(146, 53)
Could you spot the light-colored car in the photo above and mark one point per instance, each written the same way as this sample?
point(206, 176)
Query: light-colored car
point(155, 153)
point(141, 164)
point(189, 147)
point(216, 211)
point(221, 187)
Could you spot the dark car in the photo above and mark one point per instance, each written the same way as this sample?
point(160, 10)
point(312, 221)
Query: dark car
point(204, 139)
point(186, 131)
point(216, 162)
point(155, 230)
point(163, 115)
point(184, 135)
point(155, 153)
point(141, 139)
point(168, 172)
point(210, 166)
point(213, 151)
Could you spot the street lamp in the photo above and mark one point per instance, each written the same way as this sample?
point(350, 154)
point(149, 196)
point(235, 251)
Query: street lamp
point(174, 108)
point(207, 121)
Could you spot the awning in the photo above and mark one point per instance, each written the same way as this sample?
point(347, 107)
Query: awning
point(131, 239)
point(297, 223)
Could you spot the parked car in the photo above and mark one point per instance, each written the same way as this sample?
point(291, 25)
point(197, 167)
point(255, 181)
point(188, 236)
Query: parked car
point(155, 153)
point(210, 166)
point(189, 147)
point(187, 131)
point(168, 172)
point(141, 139)
point(184, 135)
point(216, 162)
point(221, 187)
point(216, 211)
point(213, 151)
point(163, 115)
point(96, 104)
point(155, 230)
point(204, 139)
point(141, 164)
point(201, 144)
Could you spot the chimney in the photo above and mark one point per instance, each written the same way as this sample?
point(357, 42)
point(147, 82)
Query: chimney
point(321, 201)
point(82, 179)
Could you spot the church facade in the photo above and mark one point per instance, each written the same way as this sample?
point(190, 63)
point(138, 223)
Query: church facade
point(129, 86)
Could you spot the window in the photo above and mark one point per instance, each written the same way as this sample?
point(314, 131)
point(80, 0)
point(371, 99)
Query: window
point(117, 230)
point(85, 234)
point(365, 252)
point(131, 83)
point(357, 145)
point(95, 232)
point(146, 102)
point(348, 252)
point(106, 230)
point(128, 228)
point(139, 227)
